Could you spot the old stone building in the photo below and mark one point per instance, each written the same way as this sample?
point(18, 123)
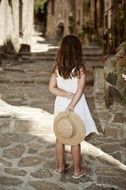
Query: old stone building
point(64, 17)
point(93, 18)
point(16, 23)
point(104, 20)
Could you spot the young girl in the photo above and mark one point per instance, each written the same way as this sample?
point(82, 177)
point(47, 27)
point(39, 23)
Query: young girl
point(67, 83)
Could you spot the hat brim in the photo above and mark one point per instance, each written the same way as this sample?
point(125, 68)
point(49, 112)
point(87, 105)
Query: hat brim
point(79, 128)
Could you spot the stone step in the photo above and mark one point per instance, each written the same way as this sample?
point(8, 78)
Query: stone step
point(90, 64)
point(86, 52)
point(89, 81)
point(52, 58)
point(53, 53)
point(23, 119)
point(84, 48)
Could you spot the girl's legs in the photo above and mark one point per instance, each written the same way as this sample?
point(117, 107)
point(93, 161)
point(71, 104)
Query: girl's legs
point(60, 156)
point(76, 156)
point(75, 152)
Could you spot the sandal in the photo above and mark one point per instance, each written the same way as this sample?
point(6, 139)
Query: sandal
point(67, 166)
point(82, 173)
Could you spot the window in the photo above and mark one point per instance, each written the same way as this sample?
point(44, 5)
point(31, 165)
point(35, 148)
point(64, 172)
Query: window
point(79, 17)
point(106, 21)
point(52, 7)
point(20, 17)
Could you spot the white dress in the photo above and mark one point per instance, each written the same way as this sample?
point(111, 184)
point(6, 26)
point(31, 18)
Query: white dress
point(81, 107)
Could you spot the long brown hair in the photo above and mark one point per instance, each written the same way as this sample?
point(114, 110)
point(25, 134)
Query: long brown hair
point(69, 56)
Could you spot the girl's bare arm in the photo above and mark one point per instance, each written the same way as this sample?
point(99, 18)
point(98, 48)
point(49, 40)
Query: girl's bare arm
point(55, 90)
point(79, 92)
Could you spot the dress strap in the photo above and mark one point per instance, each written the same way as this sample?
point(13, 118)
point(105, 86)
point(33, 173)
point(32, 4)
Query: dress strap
point(57, 72)
point(73, 70)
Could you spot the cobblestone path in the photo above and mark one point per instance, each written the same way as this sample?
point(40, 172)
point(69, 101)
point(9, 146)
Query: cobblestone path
point(27, 142)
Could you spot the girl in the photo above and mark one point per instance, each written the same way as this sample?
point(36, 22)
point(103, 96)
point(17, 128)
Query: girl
point(67, 83)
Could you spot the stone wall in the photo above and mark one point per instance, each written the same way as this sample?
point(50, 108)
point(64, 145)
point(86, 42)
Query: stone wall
point(27, 20)
point(16, 22)
point(65, 18)
point(115, 85)
point(107, 16)
point(93, 21)
point(79, 16)
point(59, 17)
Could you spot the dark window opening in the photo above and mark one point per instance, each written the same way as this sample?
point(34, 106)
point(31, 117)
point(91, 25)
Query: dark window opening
point(52, 7)
point(20, 17)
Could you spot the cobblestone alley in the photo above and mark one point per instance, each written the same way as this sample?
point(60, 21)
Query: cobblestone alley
point(27, 155)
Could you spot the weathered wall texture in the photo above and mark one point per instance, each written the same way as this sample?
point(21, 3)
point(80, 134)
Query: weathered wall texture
point(66, 15)
point(58, 17)
point(16, 17)
point(78, 16)
point(27, 20)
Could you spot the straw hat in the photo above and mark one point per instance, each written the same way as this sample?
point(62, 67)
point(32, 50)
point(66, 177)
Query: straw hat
point(69, 128)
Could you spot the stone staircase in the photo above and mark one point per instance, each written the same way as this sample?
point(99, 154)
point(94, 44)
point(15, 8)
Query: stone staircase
point(92, 55)
point(33, 70)
point(26, 138)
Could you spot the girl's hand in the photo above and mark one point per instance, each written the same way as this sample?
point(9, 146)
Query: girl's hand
point(70, 108)
point(69, 95)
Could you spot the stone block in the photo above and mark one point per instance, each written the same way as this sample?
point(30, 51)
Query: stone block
point(30, 127)
point(15, 152)
point(41, 173)
point(25, 48)
point(105, 115)
point(123, 131)
point(45, 185)
point(15, 171)
point(112, 132)
point(30, 161)
point(117, 181)
point(9, 47)
point(4, 124)
point(119, 117)
point(99, 80)
point(8, 181)
point(111, 78)
point(5, 140)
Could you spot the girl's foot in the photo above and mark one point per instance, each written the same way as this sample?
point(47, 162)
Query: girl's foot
point(82, 172)
point(60, 171)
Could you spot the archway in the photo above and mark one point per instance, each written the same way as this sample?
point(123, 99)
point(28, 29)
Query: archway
point(60, 31)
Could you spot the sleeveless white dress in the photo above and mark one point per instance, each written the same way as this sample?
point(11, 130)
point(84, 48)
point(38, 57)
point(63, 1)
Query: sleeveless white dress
point(81, 107)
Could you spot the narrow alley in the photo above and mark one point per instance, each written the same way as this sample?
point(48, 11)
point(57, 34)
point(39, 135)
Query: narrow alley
point(27, 155)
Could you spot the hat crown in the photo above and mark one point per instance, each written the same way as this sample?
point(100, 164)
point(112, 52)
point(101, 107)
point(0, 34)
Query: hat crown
point(65, 127)
point(69, 128)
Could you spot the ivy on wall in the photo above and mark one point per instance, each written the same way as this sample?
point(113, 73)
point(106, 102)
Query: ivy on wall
point(39, 6)
point(86, 6)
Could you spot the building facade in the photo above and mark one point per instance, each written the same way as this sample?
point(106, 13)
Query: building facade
point(105, 21)
point(63, 17)
point(16, 17)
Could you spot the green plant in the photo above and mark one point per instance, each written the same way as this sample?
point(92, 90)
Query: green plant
point(86, 6)
point(98, 39)
point(122, 66)
point(39, 6)
point(124, 96)
point(124, 46)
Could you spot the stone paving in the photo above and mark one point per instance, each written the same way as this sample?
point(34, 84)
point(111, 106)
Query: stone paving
point(27, 142)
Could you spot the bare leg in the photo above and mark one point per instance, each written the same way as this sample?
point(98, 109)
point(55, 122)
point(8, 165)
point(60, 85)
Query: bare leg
point(76, 156)
point(60, 155)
